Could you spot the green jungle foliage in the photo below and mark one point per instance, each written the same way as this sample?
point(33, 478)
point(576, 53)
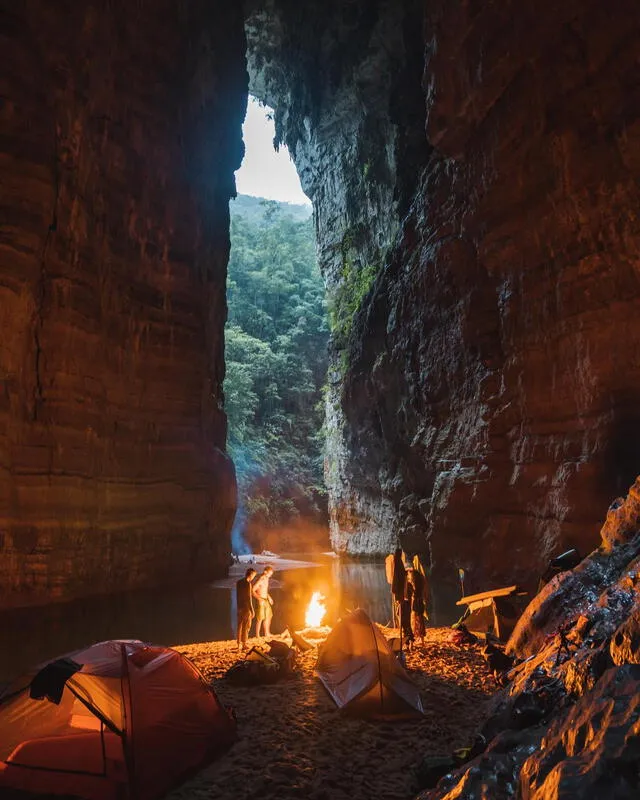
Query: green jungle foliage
point(276, 362)
point(354, 285)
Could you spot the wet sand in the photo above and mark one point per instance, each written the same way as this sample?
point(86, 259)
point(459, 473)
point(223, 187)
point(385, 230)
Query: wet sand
point(294, 743)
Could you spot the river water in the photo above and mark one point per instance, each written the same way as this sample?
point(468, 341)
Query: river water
point(183, 616)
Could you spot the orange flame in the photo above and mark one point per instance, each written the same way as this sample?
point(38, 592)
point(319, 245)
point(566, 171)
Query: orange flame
point(315, 611)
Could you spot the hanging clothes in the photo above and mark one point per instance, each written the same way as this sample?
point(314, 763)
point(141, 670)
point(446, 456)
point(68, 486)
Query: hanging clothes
point(398, 586)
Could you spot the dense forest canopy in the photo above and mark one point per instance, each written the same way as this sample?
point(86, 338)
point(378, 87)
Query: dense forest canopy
point(276, 362)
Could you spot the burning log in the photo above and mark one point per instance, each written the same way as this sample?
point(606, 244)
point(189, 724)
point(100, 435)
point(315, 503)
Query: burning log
point(300, 642)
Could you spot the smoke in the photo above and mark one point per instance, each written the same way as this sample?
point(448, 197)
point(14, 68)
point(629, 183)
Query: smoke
point(239, 544)
point(246, 470)
point(273, 513)
point(297, 536)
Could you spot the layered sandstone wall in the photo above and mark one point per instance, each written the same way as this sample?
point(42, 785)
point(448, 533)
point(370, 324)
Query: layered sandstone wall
point(120, 134)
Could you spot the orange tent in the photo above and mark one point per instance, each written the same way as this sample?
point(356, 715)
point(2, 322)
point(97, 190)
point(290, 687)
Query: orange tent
point(120, 719)
point(361, 673)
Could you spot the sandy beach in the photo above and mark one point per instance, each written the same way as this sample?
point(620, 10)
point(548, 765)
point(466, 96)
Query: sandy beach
point(294, 743)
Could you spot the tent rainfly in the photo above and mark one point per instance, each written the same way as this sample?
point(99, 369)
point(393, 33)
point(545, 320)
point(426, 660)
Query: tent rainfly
point(490, 612)
point(116, 721)
point(359, 670)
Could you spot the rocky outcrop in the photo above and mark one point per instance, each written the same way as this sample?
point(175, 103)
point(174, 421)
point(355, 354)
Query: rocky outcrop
point(592, 751)
point(566, 724)
point(574, 594)
point(120, 134)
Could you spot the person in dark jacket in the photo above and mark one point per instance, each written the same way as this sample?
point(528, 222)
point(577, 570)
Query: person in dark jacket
point(244, 598)
point(416, 592)
point(405, 620)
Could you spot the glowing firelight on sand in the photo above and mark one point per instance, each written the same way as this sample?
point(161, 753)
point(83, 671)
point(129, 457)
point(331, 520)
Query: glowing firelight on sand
point(315, 611)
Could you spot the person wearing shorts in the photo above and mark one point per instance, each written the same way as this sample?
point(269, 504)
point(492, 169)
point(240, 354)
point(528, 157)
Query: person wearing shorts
point(264, 602)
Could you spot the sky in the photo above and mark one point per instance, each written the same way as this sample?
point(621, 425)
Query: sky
point(265, 173)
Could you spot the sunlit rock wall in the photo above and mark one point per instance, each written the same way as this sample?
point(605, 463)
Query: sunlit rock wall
point(485, 407)
point(120, 133)
point(495, 369)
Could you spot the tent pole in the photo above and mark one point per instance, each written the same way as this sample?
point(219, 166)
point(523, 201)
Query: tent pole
point(377, 649)
point(128, 733)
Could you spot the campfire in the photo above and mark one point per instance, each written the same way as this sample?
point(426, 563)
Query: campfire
point(315, 611)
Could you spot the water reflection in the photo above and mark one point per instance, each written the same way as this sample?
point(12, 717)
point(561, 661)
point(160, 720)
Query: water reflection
point(29, 636)
point(345, 586)
point(363, 586)
point(203, 613)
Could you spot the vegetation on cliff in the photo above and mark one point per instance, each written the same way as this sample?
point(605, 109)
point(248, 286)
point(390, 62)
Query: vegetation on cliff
point(276, 361)
point(355, 281)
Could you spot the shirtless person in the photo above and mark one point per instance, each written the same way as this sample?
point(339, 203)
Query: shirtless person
point(264, 602)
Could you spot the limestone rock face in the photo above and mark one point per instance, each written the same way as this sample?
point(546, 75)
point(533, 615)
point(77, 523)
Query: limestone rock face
point(120, 133)
point(592, 751)
point(566, 723)
point(493, 378)
point(344, 79)
point(484, 403)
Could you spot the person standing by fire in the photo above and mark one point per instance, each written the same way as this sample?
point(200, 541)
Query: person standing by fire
point(264, 601)
point(244, 602)
point(417, 596)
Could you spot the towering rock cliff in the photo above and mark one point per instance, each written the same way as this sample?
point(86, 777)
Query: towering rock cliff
point(495, 365)
point(483, 278)
point(484, 398)
point(344, 80)
point(120, 134)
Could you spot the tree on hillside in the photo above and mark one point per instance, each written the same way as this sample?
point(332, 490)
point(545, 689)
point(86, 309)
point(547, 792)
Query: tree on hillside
point(276, 343)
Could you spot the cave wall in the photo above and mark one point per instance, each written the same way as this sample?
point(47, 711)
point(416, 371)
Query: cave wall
point(497, 361)
point(344, 80)
point(121, 128)
point(485, 403)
